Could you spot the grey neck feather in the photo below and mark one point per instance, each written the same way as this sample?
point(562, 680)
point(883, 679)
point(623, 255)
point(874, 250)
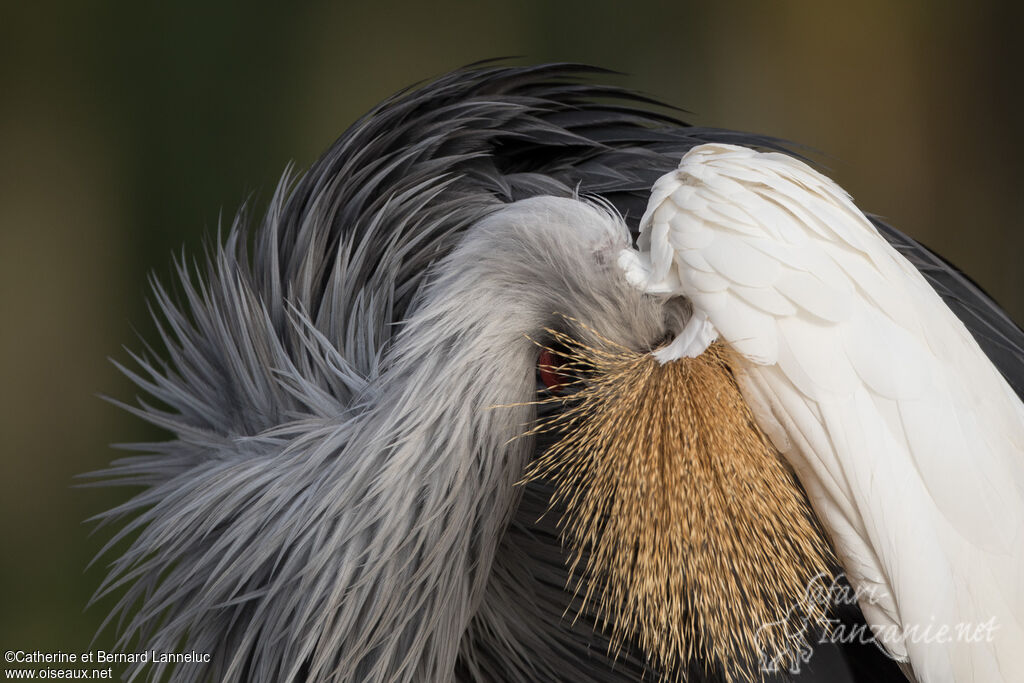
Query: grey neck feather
point(440, 490)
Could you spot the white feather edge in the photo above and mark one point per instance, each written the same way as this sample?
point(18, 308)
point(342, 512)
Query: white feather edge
point(908, 441)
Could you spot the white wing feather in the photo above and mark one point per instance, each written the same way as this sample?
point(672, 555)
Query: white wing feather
point(908, 441)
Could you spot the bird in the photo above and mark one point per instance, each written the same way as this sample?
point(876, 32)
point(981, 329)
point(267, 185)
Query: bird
point(413, 410)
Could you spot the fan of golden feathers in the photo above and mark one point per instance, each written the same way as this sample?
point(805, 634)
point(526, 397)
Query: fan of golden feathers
point(687, 532)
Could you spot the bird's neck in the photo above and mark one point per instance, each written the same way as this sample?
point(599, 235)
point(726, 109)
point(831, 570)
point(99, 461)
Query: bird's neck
point(440, 490)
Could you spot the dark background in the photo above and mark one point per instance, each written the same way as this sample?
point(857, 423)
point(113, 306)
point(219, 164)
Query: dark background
point(127, 131)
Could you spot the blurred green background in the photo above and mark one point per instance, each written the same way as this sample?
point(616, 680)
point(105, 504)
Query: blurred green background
point(127, 130)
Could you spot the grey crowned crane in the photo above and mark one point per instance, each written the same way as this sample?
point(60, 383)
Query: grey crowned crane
point(526, 380)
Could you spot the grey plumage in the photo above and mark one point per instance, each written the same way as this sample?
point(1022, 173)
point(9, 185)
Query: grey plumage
point(337, 499)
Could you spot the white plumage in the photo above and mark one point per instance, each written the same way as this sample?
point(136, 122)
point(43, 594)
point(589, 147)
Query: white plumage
point(908, 441)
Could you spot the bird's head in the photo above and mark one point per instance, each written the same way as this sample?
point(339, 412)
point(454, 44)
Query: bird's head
point(686, 531)
point(532, 266)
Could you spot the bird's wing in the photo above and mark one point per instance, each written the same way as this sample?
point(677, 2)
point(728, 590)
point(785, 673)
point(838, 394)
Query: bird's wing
point(909, 442)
